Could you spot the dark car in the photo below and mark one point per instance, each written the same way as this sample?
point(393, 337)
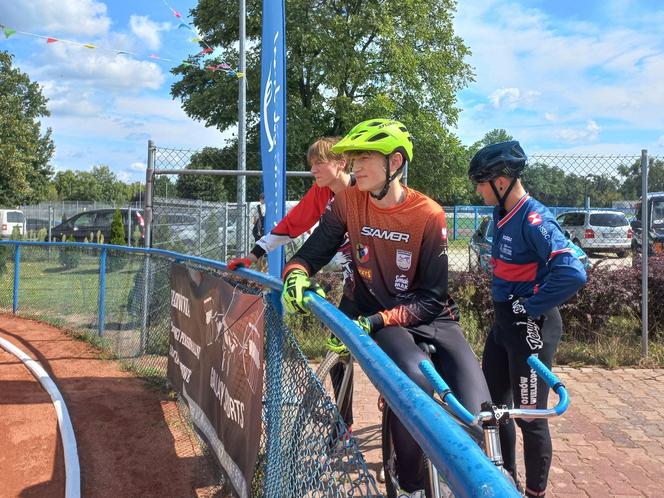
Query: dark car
point(655, 226)
point(84, 224)
point(479, 248)
point(36, 224)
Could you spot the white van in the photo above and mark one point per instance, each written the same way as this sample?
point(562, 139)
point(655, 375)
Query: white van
point(10, 218)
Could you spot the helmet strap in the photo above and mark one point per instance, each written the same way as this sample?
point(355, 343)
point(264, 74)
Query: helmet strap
point(388, 178)
point(502, 198)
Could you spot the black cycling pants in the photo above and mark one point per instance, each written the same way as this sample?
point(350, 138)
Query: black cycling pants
point(456, 363)
point(512, 339)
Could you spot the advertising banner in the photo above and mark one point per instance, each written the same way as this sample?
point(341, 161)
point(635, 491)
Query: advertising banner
point(273, 121)
point(215, 363)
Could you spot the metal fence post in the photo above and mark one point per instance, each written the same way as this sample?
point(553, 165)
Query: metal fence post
point(17, 275)
point(129, 227)
point(149, 194)
point(102, 292)
point(224, 234)
point(146, 305)
point(645, 249)
point(200, 226)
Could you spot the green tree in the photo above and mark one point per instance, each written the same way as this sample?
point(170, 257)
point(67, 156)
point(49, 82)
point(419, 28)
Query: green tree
point(347, 61)
point(494, 136)
point(205, 187)
point(631, 186)
point(99, 184)
point(117, 230)
point(24, 151)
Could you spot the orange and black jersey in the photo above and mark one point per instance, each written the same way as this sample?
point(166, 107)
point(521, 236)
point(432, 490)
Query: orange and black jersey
point(399, 255)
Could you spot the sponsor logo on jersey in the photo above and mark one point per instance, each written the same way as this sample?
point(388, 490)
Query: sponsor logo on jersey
point(362, 253)
point(534, 218)
point(401, 282)
point(404, 259)
point(385, 234)
point(365, 273)
point(507, 238)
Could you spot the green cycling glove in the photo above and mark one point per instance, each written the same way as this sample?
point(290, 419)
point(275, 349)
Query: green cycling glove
point(370, 324)
point(295, 283)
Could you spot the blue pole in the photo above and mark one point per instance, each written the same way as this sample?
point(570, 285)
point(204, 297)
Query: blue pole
point(474, 219)
point(102, 292)
point(17, 274)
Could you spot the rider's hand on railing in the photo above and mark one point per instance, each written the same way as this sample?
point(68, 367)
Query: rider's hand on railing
point(336, 346)
point(369, 324)
point(295, 283)
point(236, 263)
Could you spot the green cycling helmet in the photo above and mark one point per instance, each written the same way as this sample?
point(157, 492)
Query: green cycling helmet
point(381, 135)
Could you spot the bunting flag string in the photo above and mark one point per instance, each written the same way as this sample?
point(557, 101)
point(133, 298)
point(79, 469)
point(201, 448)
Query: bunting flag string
point(222, 67)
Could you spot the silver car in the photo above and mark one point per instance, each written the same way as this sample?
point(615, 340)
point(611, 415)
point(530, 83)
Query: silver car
point(598, 230)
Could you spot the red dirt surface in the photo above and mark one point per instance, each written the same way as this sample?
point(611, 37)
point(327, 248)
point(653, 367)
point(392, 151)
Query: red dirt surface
point(131, 439)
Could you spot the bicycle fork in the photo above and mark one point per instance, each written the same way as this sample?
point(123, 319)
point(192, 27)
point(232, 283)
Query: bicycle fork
point(491, 431)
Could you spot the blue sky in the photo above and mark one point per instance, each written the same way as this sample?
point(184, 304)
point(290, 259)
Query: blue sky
point(561, 76)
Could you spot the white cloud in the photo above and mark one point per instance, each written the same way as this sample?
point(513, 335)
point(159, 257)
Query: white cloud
point(137, 166)
point(512, 98)
point(549, 116)
point(660, 141)
point(148, 30)
point(590, 132)
point(57, 17)
point(100, 70)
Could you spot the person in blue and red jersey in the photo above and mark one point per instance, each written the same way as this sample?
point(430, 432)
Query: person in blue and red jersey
point(398, 238)
point(535, 270)
point(331, 173)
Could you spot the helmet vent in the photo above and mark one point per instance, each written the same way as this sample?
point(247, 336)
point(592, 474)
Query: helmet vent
point(378, 136)
point(375, 123)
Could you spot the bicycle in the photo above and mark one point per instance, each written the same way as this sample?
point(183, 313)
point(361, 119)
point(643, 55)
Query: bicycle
point(337, 359)
point(488, 421)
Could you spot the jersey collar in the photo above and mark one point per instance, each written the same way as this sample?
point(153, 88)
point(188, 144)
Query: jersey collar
point(514, 210)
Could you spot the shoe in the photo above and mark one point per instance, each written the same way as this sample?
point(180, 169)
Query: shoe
point(414, 494)
point(381, 475)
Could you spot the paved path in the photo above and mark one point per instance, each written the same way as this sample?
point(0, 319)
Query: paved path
point(610, 443)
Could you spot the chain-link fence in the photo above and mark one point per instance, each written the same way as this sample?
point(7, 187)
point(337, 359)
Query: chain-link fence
point(594, 198)
point(39, 217)
point(127, 313)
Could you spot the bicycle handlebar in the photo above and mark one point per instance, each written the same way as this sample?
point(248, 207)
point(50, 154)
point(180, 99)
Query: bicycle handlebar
point(443, 390)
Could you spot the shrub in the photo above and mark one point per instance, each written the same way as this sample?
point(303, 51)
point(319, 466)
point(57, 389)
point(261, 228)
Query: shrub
point(116, 260)
point(69, 257)
point(5, 256)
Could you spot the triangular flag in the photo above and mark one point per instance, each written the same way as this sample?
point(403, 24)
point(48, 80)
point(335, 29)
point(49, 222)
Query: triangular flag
point(176, 13)
point(9, 32)
point(51, 40)
point(89, 45)
point(223, 65)
point(182, 25)
point(184, 63)
point(211, 68)
point(195, 40)
point(153, 56)
point(120, 52)
point(240, 74)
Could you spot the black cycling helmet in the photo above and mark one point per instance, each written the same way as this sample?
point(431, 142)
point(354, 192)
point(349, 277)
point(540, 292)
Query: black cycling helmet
point(501, 159)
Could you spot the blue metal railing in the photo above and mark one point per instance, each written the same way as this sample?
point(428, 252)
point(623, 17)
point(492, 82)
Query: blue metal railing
point(458, 458)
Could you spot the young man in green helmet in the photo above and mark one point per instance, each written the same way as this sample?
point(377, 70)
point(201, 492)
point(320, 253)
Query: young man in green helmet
point(398, 239)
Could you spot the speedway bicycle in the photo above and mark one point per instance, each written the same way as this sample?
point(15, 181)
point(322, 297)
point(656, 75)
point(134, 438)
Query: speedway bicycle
point(483, 427)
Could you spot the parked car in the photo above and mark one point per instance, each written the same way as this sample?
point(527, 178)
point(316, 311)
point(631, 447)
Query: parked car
point(10, 218)
point(597, 230)
point(479, 248)
point(83, 224)
point(36, 224)
point(655, 226)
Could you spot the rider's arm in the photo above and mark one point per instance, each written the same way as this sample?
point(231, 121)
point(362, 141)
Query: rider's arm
point(322, 245)
point(429, 298)
point(566, 273)
point(301, 218)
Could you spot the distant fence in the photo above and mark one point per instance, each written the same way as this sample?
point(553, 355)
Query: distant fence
point(120, 298)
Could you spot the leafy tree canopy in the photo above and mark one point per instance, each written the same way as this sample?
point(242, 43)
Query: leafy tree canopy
point(24, 150)
point(100, 184)
point(347, 61)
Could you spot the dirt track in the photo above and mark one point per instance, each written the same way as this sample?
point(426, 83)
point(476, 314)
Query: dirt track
point(131, 440)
